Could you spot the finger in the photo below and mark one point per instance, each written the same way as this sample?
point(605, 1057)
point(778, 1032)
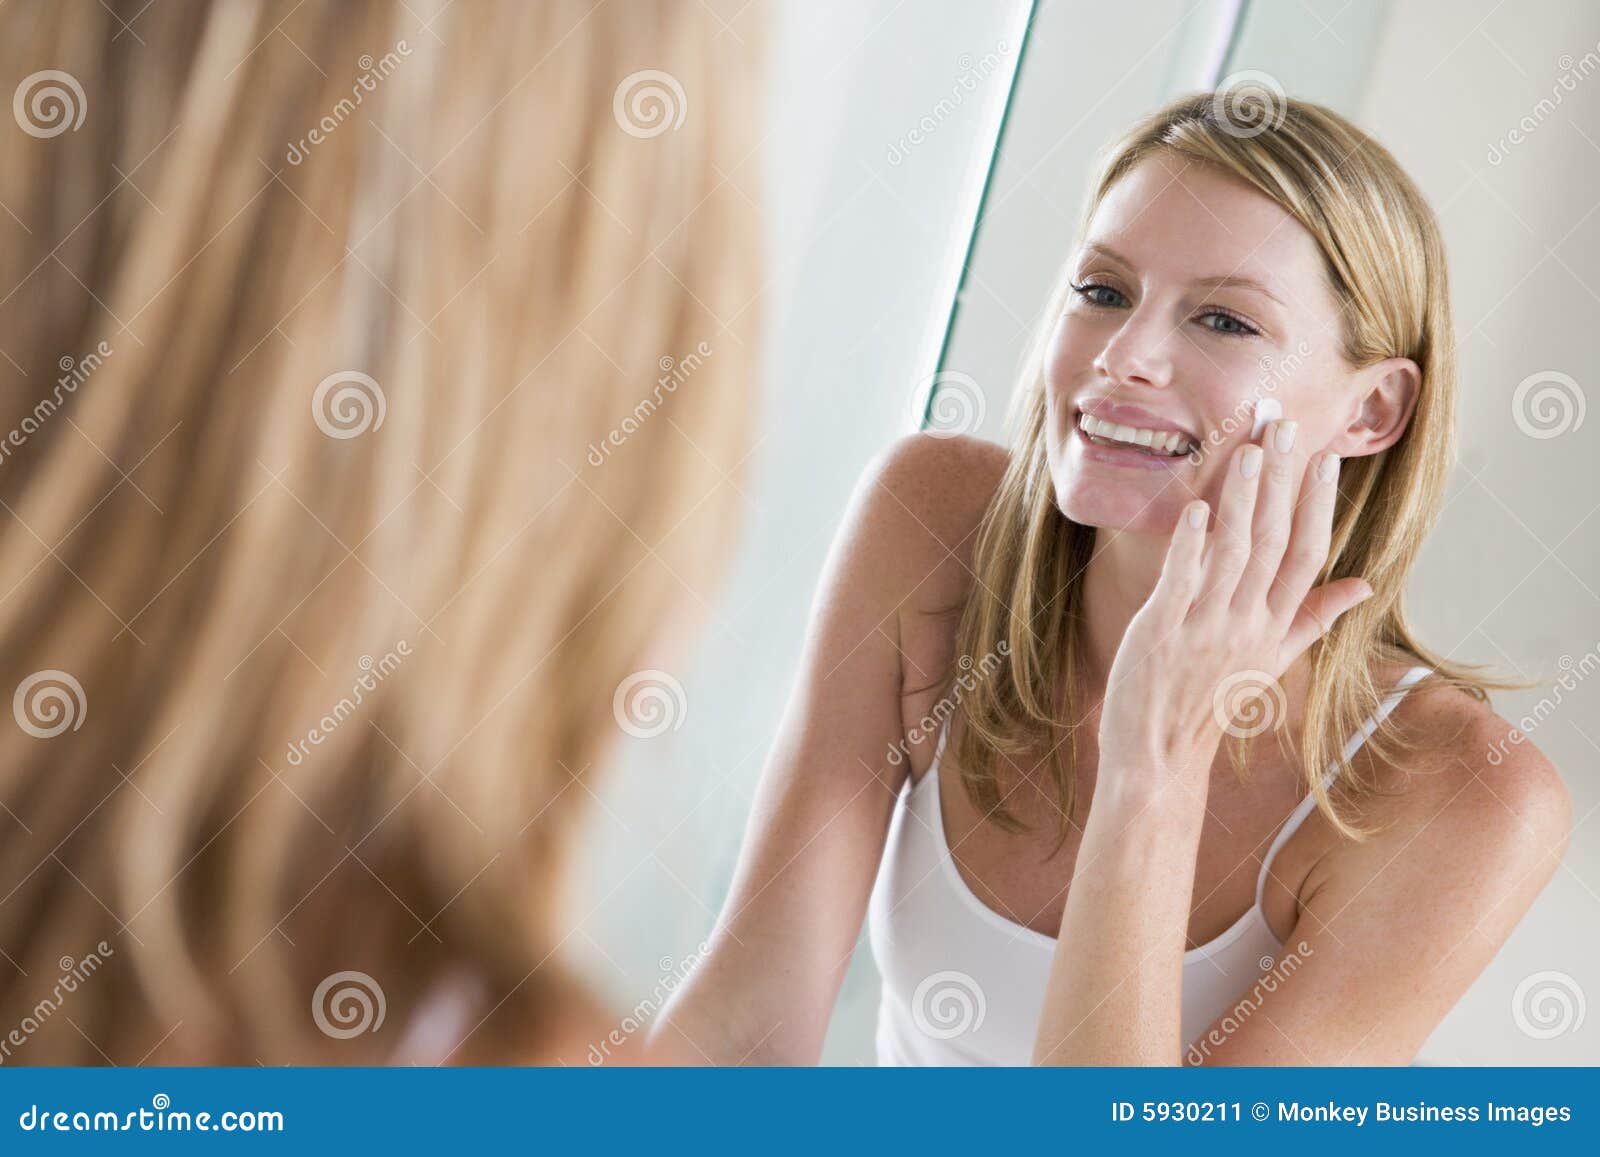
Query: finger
point(1309, 536)
point(1180, 571)
point(1280, 482)
point(1317, 615)
point(1230, 544)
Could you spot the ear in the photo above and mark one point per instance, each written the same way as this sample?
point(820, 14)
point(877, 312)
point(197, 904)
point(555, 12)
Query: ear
point(1386, 395)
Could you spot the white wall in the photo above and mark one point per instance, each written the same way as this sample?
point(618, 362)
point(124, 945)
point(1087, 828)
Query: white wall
point(861, 255)
point(1510, 577)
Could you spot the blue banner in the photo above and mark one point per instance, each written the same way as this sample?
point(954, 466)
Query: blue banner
point(664, 1111)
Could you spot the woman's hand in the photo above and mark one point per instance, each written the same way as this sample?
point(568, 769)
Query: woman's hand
point(1229, 614)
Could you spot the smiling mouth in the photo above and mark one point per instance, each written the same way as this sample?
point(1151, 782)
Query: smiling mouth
point(1155, 443)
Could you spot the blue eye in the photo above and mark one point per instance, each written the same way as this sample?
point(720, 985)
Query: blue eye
point(1087, 289)
point(1244, 329)
point(1237, 326)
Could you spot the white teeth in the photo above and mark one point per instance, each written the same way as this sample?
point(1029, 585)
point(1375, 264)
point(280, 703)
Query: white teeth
point(1158, 442)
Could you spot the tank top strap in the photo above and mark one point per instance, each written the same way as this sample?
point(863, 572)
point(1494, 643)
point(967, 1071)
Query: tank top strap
point(1352, 745)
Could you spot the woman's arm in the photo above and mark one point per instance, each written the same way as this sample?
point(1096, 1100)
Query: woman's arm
point(1239, 606)
point(1115, 995)
point(765, 990)
point(1394, 929)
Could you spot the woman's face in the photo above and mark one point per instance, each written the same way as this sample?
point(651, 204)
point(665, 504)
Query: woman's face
point(1196, 295)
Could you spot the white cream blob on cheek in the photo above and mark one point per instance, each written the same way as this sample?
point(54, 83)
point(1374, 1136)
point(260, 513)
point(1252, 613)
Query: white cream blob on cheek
point(1267, 410)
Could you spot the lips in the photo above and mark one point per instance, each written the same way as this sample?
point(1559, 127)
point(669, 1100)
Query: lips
point(1128, 414)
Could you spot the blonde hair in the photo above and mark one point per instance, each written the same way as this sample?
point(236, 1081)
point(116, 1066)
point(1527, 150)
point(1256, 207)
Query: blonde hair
point(338, 499)
point(1385, 262)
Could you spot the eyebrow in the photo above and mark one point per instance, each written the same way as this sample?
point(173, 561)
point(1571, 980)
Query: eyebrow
point(1226, 280)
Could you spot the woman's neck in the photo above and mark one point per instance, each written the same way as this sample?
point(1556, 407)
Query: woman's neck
point(1122, 571)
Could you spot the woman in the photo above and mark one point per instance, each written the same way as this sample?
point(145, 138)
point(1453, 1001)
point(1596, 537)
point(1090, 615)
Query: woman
point(332, 524)
point(1087, 720)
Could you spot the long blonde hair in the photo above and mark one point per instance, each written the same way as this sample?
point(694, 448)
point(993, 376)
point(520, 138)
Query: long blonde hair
point(376, 380)
point(1385, 261)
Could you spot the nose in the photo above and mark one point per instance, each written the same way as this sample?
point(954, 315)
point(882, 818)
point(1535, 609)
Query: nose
point(1138, 351)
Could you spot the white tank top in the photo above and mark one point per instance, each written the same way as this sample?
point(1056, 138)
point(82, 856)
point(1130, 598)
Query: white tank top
point(964, 985)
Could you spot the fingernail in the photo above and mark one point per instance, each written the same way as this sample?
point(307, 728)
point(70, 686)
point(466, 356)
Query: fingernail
point(1197, 515)
point(1328, 468)
point(1283, 436)
point(1250, 461)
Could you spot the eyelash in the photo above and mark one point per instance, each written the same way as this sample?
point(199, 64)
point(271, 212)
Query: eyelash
point(1249, 330)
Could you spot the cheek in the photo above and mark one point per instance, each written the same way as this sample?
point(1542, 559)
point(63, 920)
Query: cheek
point(1067, 358)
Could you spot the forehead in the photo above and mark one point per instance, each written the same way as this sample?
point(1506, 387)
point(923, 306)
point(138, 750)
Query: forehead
point(1172, 216)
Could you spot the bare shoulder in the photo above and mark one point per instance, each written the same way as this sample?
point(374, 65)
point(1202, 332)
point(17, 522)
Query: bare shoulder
point(1470, 797)
point(942, 484)
point(919, 505)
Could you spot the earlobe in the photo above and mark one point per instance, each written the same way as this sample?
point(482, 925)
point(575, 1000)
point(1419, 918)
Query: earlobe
point(1387, 393)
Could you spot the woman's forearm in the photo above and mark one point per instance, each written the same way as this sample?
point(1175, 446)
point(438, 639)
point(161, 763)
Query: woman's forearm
point(1116, 982)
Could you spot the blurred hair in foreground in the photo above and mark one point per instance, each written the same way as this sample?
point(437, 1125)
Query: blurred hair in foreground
point(339, 475)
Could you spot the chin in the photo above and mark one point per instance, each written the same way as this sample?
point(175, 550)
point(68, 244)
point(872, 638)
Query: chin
point(1113, 505)
point(1114, 495)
